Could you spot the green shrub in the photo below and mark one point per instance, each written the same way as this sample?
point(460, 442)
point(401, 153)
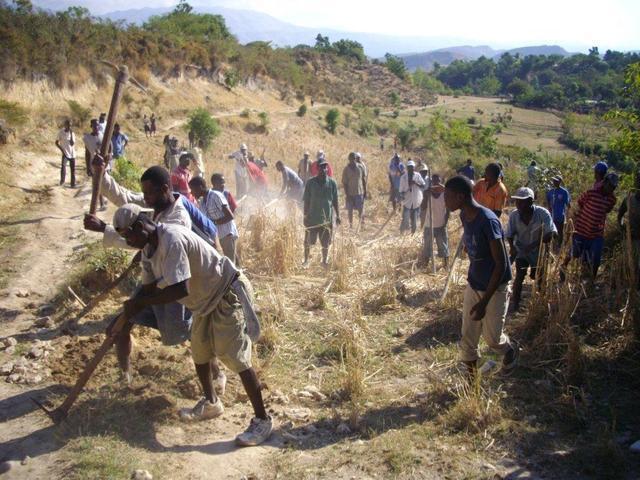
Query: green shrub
point(302, 110)
point(264, 120)
point(127, 174)
point(231, 78)
point(376, 111)
point(79, 115)
point(332, 120)
point(366, 128)
point(13, 113)
point(204, 126)
point(246, 113)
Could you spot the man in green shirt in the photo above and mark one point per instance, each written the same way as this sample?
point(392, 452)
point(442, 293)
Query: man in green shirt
point(320, 199)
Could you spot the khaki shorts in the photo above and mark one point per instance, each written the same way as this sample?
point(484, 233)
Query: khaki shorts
point(222, 334)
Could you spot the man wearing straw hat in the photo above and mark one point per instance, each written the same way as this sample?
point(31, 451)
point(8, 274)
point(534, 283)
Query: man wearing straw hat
point(528, 225)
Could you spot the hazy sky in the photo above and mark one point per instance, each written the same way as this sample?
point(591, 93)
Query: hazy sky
point(570, 23)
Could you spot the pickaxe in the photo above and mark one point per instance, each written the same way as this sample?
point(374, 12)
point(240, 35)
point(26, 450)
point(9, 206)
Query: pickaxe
point(122, 78)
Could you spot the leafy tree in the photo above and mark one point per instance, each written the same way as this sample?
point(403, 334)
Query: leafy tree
point(396, 65)
point(203, 125)
point(350, 49)
point(331, 118)
point(302, 110)
point(322, 43)
point(627, 120)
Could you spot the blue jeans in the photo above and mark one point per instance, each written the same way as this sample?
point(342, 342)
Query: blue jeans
point(409, 218)
point(589, 250)
point(442, 241)
point(172, 320)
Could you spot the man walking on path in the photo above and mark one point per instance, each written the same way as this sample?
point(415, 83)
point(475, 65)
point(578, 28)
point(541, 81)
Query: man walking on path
point(558, 203)
point(304, 168)
point(179, 266)
point(631, 207)
point(181, 175)
point(366, 174)
point(396, 170)
point(590, 219)
point(173, 321)
point(241, 158)
point(118, 142)
point(440, 215)
point(320, 201)
point(92, 144)
point(410, 188)
point(315, 166)
point(468, 171)
point(292, 184)
point(355, 188)
point(528, 225)
point(490, 192)
point(66, 142)
point(215, 206)
point(486, 296)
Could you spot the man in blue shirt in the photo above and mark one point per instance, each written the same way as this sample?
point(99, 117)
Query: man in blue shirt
point(468, 171)
point(118, 141)
point(558, 202)
point(486, 297)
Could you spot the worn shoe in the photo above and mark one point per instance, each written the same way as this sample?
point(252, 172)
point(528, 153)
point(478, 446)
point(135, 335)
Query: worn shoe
point(259, 430)
point(510, 360)
point(204, 410)
point(220, 384)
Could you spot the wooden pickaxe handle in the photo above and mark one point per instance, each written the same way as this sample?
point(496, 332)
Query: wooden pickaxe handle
point(118, 89)
point(61, 412)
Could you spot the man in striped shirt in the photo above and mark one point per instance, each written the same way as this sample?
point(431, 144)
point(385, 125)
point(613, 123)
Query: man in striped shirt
point(214, 204)
point(593, 207)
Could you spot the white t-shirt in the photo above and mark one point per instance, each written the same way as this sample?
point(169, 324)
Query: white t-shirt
point(182, 255)
point(438, 211)
point(413, 195)
point(92, 143)
point(64, 139)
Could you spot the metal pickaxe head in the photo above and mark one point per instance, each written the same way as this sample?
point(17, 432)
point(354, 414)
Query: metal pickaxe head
point(57, 414)
point(123, 74)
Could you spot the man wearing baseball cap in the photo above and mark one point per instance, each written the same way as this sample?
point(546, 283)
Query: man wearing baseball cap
point(588, 237)
point(178, 265)
point(599, 171)
point(528, 225)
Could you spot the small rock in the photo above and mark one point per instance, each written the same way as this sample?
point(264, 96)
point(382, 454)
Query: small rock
point(398, 333)
point(23, 293)
point(44, 322)
point(304, 394)
point(141, 475)
point(298, 414)
point(314, 392)
point(6, 369)
point(635, 447)
point(10, 350)
point(35, 352)
point(25, 460)
point(33, 379)
point(343, 429)
point(19, 369)
point(14, 378)
point(9, 342)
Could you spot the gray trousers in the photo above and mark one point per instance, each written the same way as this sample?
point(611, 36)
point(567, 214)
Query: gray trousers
point(442, 240)
point(228, 245)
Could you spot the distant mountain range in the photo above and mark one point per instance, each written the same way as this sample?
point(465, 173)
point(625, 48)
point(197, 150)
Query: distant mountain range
point(444, 56)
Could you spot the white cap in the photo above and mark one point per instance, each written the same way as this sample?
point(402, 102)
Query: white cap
point(243, 146)
point(523, 193)
point(320, 154)
point(127, 215)
point(411, 163)
point(358, 155)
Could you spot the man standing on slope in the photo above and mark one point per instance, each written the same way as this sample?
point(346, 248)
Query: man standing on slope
point(65, 142)
point(355, 188)
point(440, 215)
point(490, 192)
point(396, 170)
point(410, 188)
point(558, 202)
point(180, 266)
point(304, 167)
point(486, 297)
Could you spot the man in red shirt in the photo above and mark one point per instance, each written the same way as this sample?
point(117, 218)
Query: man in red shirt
point(258, 179)
point(181, 175)
point(588, 236)
point(315, 168)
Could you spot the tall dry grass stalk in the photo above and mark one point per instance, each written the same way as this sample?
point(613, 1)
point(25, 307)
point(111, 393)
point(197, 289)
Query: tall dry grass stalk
point(345, 256)
point(476, 410)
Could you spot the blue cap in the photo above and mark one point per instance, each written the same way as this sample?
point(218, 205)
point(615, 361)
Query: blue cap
point(601, 167)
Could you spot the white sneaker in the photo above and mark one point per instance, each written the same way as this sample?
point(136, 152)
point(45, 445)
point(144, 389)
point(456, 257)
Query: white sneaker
point(220, 384)
point(125, 378)
point(259, 430)
point(203, 410)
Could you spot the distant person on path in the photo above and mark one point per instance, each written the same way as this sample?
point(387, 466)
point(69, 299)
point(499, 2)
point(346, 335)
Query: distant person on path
point(600, 170)
point(355, 188)
point(529, 224)
point(218, 183)
point(304, 167)
point(631, 207)
point(590, 219)
point(102, 123)
point(490, 192)
point(315, 170)
point(179, 266)
point(153, 126)
point(366, 174)
point(411, 184)
point(118, 142)
point(396, 170)
point(92, 144)
point(198, 162)
point(171, 152)
point(435, 195)
point(468, 171)
point(320, 201)
point(292, 184)
point(180, 177)
point(65, 142)
point(241, 158)
point(533, 173)
point(486, 297)
point(147, 128)
point(215, 206)
point(558, 203)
